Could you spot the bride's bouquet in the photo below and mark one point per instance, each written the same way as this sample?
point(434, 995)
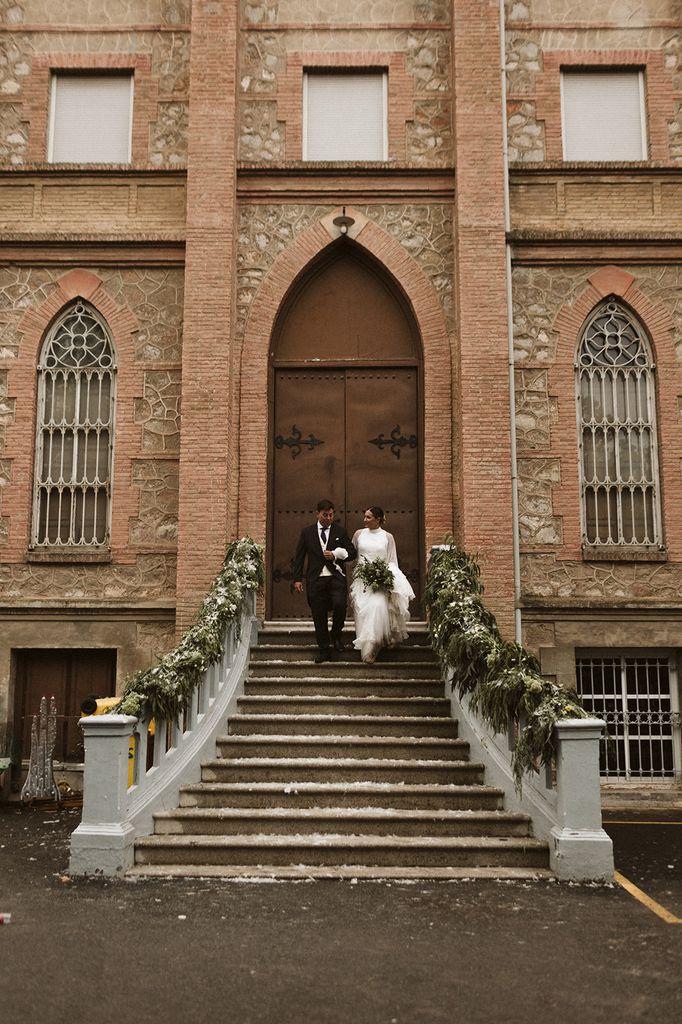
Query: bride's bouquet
point(375, 575)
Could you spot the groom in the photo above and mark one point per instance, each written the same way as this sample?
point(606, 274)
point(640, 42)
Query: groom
point(326, 547)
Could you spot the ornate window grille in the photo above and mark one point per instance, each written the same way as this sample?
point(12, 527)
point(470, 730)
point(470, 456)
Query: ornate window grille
point(74, 444)
point(617, 429)
point(636, 695)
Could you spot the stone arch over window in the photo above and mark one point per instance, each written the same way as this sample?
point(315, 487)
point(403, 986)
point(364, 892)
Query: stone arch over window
point(74, 443)
point(616, 403)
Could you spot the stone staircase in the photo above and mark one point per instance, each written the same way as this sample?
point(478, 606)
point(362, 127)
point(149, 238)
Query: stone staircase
point(341, 770)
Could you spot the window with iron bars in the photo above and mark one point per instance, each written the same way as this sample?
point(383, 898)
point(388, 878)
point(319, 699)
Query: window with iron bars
point(617, 431)
point(74, 443)
point(636, 694)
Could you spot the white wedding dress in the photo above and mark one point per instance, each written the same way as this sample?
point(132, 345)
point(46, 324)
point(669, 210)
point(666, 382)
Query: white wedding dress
point(380, 618)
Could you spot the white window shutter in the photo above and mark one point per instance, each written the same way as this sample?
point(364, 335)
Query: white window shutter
point(91, 119)
point(602, 115)
point(345, 117)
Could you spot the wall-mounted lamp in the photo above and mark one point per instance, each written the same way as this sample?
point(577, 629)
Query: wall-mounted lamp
point(343, 222)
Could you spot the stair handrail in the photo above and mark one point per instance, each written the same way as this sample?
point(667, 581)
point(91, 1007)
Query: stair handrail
point(184, 703)
point(555, 777)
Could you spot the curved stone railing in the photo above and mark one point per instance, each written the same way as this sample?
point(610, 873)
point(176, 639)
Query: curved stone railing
point(563, 801)
point(114, 812)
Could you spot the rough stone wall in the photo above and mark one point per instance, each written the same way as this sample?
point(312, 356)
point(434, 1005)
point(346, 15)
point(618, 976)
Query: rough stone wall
point(548, 442)
point(272, 30)
point(265, 232)
point(537, 28)
point(156, 28)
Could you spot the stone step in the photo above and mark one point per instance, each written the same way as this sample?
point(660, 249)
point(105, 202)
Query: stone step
point(421, 748)
point(307, 652)
point(341, 794)
point(301, 632)
point(332, 769)
point(342, 725)
point(349, 669)
point(333, 849)
point(346, 821)
point(411, 707)
point(354, 872)
point(373, 686)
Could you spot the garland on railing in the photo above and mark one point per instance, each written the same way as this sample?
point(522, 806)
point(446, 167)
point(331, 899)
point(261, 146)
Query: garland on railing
point(501, 678)
point(166, 688)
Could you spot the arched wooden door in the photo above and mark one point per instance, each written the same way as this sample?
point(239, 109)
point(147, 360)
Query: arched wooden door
point(346, 419)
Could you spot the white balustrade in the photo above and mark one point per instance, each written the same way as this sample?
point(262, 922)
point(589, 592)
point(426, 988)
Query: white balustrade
point(114, 811)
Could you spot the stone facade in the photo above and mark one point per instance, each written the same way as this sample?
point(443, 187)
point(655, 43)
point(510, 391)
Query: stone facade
point(190, 252)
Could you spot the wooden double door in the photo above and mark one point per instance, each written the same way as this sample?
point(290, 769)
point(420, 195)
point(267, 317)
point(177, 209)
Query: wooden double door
point(353, 436)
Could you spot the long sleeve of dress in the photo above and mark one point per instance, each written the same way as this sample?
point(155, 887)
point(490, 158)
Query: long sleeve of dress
point(391, 554)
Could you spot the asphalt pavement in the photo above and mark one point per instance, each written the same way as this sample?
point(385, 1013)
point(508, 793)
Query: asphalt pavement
point(336, 952)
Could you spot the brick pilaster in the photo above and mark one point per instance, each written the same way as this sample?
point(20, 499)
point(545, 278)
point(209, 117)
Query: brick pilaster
point(483, 407)
point(208, 453)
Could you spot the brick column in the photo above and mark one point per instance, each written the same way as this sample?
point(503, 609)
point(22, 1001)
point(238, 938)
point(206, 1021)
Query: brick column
point(207, 450)
point(483, 403)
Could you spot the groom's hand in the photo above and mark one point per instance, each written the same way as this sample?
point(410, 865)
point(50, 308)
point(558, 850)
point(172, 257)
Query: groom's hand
point(329, 555)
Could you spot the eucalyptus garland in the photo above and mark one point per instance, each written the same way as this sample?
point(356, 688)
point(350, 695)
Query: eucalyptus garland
point(166, 689)
point(501, 678)
point(374, 574)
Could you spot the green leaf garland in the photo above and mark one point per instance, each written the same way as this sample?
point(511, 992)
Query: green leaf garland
point(166, 689)
point(501, 678)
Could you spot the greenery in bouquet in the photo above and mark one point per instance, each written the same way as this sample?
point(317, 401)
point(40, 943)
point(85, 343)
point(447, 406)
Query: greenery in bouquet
point(165, 690)
point(501, 678)
point(375, 574)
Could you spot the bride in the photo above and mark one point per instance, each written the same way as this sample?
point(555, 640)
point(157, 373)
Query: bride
point(380, 617)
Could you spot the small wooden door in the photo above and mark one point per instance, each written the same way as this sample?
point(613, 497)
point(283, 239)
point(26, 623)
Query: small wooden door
point(350, 435)
point(69, 676)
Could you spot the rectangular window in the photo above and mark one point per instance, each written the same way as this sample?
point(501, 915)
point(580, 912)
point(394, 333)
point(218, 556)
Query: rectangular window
point(603, 115)
point(90, 121)
point(635, 693)
point(344, 116)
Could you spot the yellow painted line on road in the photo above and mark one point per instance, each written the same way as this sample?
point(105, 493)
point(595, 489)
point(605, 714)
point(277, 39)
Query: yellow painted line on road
point(647, 901)
point(609, 822)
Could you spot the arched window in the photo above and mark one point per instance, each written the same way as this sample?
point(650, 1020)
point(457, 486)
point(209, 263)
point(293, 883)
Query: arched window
point(617, 426)
point(74, 445)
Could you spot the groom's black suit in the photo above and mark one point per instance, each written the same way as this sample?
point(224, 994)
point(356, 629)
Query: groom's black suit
point(324, 593)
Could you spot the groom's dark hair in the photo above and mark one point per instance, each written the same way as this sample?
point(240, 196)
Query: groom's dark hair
point(324, 505)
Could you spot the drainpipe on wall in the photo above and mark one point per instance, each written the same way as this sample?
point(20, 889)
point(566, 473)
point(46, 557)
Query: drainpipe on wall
point(510, 337)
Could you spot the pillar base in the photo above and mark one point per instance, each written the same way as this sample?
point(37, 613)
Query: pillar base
point(581, 855)
point(102, 849)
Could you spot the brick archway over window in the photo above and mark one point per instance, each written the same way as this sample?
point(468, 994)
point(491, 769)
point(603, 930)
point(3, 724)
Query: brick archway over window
point(23, 381)
point(658, 324)
point(437, 368)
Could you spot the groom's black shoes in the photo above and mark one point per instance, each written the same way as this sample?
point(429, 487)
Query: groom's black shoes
point(325, 655)
point(338, 644)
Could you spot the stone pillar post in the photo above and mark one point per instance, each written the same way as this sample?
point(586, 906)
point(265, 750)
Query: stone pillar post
point(580, 849)
point(208, 450)
point(103, 842)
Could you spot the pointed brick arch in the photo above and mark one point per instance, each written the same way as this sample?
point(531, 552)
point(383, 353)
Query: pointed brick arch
point(437, 370)
point(659, 328)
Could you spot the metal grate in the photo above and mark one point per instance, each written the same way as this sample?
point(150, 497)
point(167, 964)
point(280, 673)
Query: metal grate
point(636, 698)
point(73, 457)
point(617, 427)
